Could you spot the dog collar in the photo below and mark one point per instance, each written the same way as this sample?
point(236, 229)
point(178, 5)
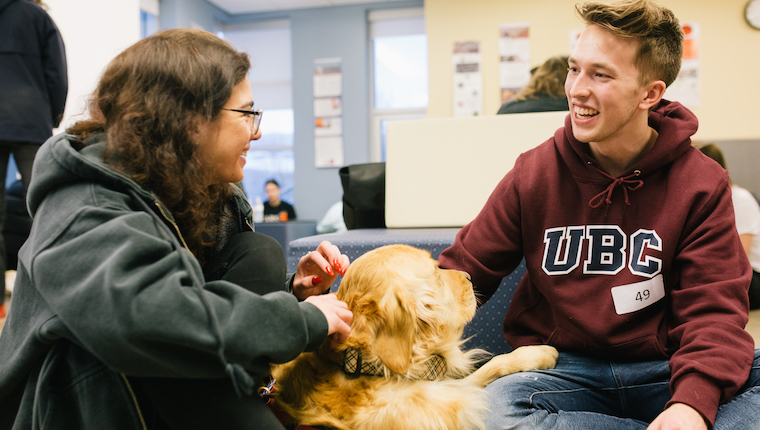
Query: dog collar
point(354, 365)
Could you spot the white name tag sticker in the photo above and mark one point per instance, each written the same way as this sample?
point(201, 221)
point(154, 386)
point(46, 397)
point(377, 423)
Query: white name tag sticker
point(634, 297)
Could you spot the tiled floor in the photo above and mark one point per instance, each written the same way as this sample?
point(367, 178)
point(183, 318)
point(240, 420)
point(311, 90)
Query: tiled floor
point(753, 327)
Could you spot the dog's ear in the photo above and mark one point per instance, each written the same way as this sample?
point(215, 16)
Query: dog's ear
point(395, 333)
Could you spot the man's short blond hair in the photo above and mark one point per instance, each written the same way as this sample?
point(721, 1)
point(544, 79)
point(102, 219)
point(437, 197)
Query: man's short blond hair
point(656, 27)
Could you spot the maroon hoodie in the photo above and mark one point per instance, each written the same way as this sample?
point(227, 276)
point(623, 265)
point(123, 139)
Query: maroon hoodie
point(645, 266)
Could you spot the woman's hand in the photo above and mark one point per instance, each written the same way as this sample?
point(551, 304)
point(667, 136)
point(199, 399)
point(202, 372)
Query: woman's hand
point(318, 269)
point(338, 316)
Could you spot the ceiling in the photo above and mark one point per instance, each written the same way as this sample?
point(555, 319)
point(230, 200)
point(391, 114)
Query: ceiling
point(251, 6)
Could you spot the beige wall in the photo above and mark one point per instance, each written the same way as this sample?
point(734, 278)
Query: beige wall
point(730, 53)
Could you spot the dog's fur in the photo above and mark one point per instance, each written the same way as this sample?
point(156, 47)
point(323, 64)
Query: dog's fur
point(406, 309)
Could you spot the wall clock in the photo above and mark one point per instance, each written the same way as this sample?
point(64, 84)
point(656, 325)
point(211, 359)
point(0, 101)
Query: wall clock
point(752, 14)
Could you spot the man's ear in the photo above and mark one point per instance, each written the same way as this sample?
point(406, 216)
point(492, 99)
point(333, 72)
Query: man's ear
point(654, 92)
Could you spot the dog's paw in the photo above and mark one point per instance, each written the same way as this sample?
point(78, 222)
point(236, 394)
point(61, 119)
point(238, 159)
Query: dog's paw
point(522, 359)
point(535, 357)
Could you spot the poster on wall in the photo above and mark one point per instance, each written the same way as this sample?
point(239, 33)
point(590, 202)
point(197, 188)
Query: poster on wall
point(330, 126)
point(514, 54)
point(327, 106)
point(468, 79)
point(686, 88)
point(328, 151)
point(328, 112)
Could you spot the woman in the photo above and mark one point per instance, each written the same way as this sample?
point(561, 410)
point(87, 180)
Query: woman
point(133, 305)
point(544, 93)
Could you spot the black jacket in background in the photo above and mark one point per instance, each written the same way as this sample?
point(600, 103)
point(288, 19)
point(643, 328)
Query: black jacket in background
point(33, 78)
point(543, 103)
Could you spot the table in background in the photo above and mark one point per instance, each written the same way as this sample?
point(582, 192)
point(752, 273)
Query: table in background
point(285, 232)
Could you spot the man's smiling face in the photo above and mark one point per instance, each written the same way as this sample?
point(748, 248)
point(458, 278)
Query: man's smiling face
point(602, 86)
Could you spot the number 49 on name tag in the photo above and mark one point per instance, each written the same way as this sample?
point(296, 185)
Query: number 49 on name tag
point(633, 297)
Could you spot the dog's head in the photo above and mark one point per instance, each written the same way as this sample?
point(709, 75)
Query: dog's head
point(405, 307)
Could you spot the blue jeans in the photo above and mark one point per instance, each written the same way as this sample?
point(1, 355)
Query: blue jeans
point(584, 393)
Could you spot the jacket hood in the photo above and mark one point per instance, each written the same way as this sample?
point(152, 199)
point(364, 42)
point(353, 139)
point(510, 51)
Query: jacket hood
point(63, 159)
point(675, 125)
point(5, 3)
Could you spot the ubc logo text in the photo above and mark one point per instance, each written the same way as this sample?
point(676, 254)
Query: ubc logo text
point(608, 250)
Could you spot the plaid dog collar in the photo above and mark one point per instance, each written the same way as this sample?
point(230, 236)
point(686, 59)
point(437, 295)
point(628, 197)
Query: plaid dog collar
point(354, 365)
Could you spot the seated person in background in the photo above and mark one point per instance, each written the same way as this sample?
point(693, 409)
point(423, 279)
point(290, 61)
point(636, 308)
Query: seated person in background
point(274, 208)
point(747, 212)
point(333, 221)
point(635, 272)
point(544, 93)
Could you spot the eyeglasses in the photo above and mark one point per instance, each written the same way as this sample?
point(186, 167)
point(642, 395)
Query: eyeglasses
point(254, 117)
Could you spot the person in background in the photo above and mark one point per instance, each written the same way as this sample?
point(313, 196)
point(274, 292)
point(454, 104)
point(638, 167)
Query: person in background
point(333, 221)
point(747, 212)
point(274, 208)
point(635, 271)
point(143, 297)
point(33, 89)
point(545, 91)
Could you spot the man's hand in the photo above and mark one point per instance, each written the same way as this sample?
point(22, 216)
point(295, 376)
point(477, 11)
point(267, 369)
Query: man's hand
point(679, 416)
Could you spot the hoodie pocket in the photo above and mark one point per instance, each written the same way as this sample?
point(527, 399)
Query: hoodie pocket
point(647, 347)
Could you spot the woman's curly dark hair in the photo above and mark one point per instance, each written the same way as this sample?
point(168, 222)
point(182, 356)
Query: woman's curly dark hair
point(150, 102)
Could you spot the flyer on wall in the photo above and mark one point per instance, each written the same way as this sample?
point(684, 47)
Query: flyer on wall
point(328, 113)
point(328, 151)
point(514, 54)
point(686, 88)
point(468, 79)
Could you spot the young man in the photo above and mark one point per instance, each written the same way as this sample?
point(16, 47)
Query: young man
point(274, 208)
point(635, 270)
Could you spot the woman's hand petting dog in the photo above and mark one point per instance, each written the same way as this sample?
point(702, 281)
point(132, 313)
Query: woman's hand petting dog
point(338, 316)
point(318, 269)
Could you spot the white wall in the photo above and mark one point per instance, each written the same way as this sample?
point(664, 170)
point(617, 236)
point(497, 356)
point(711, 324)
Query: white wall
point(269, 46)
point(94, 31)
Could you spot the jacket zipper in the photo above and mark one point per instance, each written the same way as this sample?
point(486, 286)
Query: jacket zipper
point(134, 400)
point(176, 227)
point(123, 376)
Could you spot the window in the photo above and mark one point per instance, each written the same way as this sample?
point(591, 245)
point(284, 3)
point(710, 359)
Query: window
point(399, 71)
point(271, 157)
point(148, 18)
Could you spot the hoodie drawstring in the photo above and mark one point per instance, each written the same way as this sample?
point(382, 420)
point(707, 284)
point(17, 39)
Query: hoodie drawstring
point(626, 182)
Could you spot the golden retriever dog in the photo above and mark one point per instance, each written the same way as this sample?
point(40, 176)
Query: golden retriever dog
point(402, 367)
